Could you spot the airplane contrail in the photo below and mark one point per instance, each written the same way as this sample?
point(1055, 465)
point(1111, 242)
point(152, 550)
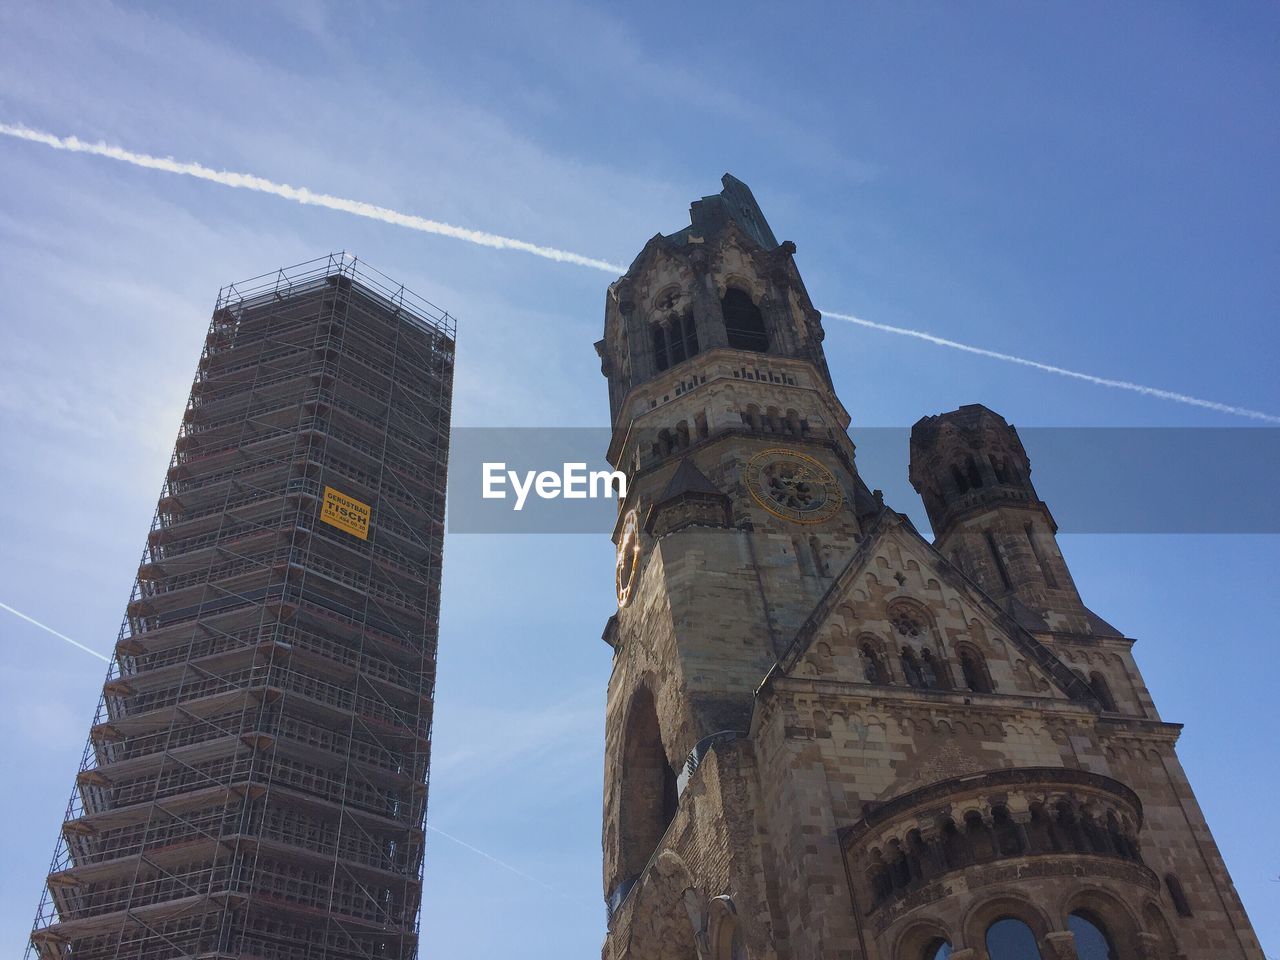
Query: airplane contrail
point(489, 856)
point(47, 629)
point(248, 181)
point(359, 208)
point(1060, 371)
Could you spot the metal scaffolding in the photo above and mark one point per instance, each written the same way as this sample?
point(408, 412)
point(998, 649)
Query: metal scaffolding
point(255, 780)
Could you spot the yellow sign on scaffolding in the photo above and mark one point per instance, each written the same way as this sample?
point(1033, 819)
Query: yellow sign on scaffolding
point(345, 513)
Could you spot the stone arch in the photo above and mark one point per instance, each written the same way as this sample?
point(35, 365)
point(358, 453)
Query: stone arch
point(739, 280)
point(648, 796)
point(875, 664)
point(1102, 690)
point(979, 836)
point(1001, 904)
point(744, 321)
point(726, 931)
point(1108, 912)
point(974, 672)
point(878, 878)
point(911, 667)
point(914, 940)
point(955, 848)
point(1155, 924)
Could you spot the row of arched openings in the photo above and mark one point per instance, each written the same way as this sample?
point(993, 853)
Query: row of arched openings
point(967, 476)
point(924, 669)
point(670, 441)
point(1009, 938)
point(1065, 826)
point(773, 420)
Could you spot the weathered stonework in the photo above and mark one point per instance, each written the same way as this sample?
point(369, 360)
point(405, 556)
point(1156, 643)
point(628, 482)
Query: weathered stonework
point(825, 736)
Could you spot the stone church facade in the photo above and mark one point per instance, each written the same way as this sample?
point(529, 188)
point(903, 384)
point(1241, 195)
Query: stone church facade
point(827, 737)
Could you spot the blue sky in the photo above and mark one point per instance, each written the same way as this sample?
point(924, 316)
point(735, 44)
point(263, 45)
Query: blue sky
point(1082, 184)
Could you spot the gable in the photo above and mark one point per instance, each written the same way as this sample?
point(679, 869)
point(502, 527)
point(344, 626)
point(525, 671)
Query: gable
point(900, 614)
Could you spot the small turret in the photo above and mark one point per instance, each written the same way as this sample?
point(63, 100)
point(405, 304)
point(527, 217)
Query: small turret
point(974, 476)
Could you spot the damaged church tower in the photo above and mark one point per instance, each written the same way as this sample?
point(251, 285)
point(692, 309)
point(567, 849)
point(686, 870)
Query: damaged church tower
point(827, 737)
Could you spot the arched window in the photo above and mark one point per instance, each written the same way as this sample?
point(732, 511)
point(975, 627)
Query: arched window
point(666, 442)
point(674, 340)
point(911, 668)
point(975, 478)
point(974, 669)
point(923, 861)
point(1011, 939)
point(649, 794)
point(1092, 942)
point(1094, 834)
point(899, 867)
point(1008, 836)
point(933, 671)
point(872, 666)
point(1118, 841)
point(936, 949)
point(661, 359)
point(979, 836)
point(1156, 924)
point(879, 878)
point(1177, 895)
point(955, 849)
point(957, 476)
point(743, 321)
point(1101, 690)
point(1041, 832)
point(794, 424)
point(1069, 827)
point(731, 942)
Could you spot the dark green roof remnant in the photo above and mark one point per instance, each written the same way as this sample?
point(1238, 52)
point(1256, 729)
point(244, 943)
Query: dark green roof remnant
point(735, 202)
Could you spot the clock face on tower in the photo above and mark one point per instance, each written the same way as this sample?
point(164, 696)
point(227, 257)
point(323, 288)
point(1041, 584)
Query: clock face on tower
point(628, 562)
point(793, 486)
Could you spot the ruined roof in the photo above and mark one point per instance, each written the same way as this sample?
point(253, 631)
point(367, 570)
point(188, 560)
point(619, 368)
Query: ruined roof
point(735, 202)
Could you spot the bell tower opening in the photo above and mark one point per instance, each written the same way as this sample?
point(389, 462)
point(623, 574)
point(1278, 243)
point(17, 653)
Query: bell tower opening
point(743, 321)
point(674, 341)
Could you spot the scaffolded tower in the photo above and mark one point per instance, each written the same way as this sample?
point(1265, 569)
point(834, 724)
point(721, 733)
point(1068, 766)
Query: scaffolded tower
point(255, 780)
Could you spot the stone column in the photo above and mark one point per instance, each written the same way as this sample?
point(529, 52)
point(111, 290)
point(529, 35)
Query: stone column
point(707, 313)
point(1059, 945)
